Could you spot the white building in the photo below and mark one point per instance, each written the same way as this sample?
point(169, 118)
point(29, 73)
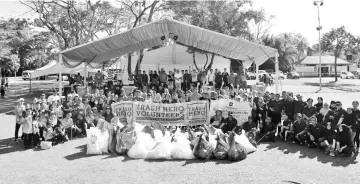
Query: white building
point(309, 67)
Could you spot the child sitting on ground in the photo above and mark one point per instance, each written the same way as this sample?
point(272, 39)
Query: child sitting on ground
point(285, 127)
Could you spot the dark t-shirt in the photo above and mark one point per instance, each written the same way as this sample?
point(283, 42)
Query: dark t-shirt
point(229, 125)
point(309, 111)
point(299, 126)
point(315, 130)
point(247, 126)
point(268, 127)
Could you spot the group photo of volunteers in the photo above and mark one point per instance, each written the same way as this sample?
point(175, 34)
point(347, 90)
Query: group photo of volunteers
point(51, 119)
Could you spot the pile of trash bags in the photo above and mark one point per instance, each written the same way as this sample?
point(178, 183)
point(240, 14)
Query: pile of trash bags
point(157, 142)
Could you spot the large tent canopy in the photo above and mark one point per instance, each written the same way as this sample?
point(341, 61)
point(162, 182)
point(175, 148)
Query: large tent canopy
point(150, 34)
point(170, 57)
point(56, 67)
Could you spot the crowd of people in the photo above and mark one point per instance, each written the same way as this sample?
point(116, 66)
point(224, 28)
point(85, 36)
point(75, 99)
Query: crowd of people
point(325, 125)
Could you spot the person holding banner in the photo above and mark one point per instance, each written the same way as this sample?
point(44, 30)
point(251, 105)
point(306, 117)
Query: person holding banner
point(217, 119)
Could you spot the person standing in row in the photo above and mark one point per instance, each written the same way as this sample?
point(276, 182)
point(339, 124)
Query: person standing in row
point(210, 78)
point(225, 77)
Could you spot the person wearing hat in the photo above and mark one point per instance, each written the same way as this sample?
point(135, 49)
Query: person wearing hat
point(229, 123)
point(313, 131)
point(217, 119)
point(309, 110)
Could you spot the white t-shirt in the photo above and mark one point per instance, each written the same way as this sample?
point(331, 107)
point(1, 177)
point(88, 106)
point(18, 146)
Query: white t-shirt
point(178, 77)
point(194, 76)
point(210, 77)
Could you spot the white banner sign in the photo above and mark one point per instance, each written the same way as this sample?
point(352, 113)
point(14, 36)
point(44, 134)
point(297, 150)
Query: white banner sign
point(241, 110)
point(192, 113)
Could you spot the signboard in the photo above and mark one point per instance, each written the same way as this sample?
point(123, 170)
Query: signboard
point(241, 110)
point(188, 113)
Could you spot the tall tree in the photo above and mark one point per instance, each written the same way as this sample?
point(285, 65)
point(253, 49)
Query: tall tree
point(337, 40)
point(76, 22)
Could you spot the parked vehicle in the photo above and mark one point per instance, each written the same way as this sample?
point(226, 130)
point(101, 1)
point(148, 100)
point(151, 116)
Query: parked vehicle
point(261, 73)
point(250, 76)
point(281, 76)
point(26, 74)
point(293, 75)
point(347, 75)
point(356, 74)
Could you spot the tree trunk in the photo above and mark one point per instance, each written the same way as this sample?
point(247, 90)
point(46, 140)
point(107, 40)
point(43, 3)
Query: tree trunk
point(335, 67)
point(194, 60)
point(129, 64)
point(211, 63)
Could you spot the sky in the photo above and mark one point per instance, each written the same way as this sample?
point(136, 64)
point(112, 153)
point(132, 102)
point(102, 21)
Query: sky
point(297, 16)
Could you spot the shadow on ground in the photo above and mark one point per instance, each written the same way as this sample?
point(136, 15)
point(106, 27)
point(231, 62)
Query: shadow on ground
point(317, 153)
point(8, 145)
point(335, 86)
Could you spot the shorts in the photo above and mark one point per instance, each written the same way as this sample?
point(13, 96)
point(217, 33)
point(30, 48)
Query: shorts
point(218, 85)
point(210, 83)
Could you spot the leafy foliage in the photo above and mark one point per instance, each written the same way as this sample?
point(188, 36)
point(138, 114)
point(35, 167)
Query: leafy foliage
point(337, 41)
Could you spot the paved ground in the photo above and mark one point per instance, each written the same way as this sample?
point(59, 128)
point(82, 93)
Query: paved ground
point(273, 163)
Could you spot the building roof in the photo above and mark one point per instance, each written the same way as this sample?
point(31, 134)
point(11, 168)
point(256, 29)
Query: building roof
point(325, 60)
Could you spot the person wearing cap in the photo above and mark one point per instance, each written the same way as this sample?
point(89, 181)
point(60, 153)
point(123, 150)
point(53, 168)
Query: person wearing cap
point(276, 106)
point(298, 130)
point(217, 119)
point(267, 131)
point(229, 123)
point(344, 144)
point(313, 131)
point(356, 112)
point(309, 110)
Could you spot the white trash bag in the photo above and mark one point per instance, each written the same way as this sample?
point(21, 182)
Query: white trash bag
point(163, 149)
point(181, 149)
point(93, 147)
point(45, 145)
point(142, 146)
point(104, 141)
point(243, 140)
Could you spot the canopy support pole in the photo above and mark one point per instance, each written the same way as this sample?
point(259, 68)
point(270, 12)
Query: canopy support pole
point(60, 75)
point(277, 71)
point(85, 74)
point(257, 77)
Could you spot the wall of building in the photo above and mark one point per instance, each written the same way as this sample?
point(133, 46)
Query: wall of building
point(312, 71)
